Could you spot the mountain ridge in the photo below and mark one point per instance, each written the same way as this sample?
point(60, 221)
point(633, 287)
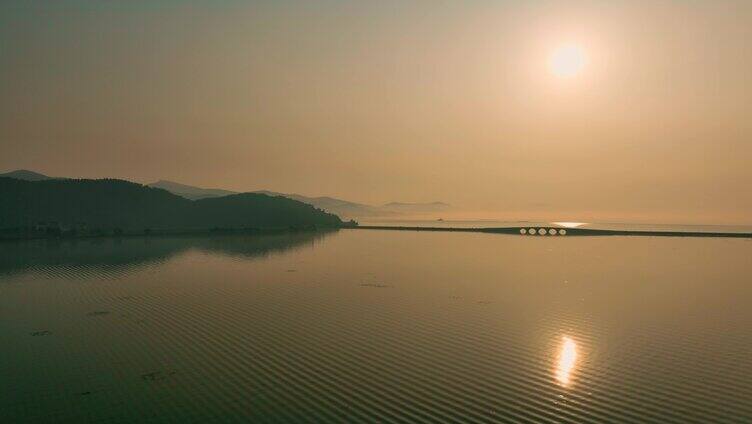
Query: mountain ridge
point(26, 175)
point(343, 208)
point(190, 192)
point(125, 205)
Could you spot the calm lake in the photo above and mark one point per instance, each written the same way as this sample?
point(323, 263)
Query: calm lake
point(373, 326)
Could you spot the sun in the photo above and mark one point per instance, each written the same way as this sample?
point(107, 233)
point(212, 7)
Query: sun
point(567, 61)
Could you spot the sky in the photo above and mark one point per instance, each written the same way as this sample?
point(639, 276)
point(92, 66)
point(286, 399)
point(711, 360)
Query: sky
point(380, 101)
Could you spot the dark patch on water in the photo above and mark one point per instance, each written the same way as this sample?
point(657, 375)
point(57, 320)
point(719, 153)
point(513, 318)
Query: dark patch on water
point(376, 285)
point(41, 333)
point(84, 393)
point(125, 298)
point(157, 375)
point(98, 313)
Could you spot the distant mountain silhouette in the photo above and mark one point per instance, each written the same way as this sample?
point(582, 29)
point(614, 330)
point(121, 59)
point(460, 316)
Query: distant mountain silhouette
point(190, 192)
point(26, 175)
point(342, 208)
point(119, 204)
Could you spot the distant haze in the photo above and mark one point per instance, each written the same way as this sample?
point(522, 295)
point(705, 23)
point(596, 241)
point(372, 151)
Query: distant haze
point(393, 101)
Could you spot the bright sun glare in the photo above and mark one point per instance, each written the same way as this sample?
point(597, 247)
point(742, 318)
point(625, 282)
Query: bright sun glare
point(567, 61)
point(566, 361)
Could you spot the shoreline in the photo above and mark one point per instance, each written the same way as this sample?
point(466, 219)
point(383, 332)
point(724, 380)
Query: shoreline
point(515, 231)
point(568, 232)
point(168, 233)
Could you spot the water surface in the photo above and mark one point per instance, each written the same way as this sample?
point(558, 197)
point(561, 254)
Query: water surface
point(377, 326)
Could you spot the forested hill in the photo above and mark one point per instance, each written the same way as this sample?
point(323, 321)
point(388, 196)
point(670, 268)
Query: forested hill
point(111, 203)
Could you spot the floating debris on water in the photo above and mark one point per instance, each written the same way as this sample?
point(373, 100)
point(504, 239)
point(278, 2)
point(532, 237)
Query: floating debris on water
point(98, 313)
point(41, 333)
point(157, 375)
point(84, 393)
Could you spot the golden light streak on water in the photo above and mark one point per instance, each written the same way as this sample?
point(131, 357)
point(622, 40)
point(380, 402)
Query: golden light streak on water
point(566, 361)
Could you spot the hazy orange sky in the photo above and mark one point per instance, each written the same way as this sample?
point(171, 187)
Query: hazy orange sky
point(394, 101)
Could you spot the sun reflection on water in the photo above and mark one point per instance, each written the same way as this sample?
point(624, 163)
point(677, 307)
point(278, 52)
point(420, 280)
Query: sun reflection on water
point(569, 224)
point(566, 361)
